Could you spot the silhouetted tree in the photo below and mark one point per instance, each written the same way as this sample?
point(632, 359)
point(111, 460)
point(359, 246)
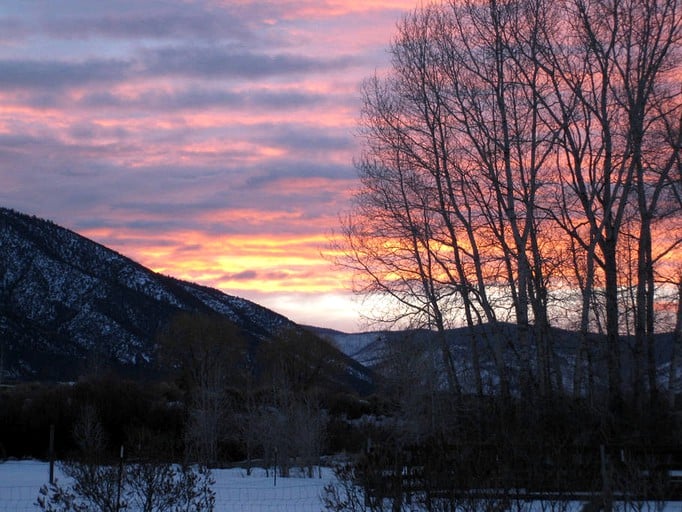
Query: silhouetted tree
point(519, 154)
point(209, 355)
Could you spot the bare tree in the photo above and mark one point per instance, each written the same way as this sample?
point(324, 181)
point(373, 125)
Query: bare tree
point(98, 484)
point(607, 61)
point(675, 369)
point(411, 380)
point(520, 152)
point(451, 176)
point(285, 420)
point(207, 352)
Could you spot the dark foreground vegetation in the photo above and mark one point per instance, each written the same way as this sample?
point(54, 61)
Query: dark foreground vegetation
point(497, 453)
point(401, 451)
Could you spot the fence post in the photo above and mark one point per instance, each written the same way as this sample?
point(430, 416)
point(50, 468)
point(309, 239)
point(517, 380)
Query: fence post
point(120, 481)
point(607, 499)
point(51, 453)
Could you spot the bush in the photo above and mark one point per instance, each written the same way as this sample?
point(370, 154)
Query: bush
point(344, 494)
point(148, 487)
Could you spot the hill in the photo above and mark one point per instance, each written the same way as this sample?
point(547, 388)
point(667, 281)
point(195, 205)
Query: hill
point(68, 304)
point(376, 349)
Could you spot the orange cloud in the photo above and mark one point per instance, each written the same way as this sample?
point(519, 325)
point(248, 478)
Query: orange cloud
point(283, 263)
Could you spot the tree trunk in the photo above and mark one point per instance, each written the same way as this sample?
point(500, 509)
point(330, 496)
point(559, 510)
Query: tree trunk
point(675, 372)
point(613, 362)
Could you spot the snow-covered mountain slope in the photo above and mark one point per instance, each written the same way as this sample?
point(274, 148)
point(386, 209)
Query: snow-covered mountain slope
point(66, 301)
point(385, 351)
point(364, 347)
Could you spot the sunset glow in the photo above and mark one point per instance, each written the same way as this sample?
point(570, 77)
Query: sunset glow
point(211, 141)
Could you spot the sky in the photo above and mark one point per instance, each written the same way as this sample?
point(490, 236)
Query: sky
point(209, 140)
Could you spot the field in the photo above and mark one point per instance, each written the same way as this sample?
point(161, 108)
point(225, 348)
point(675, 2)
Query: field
point(235, 491)
point(20, 481)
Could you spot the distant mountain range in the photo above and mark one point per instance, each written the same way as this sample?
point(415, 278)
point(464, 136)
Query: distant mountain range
point(66, 301)
point(385, 352)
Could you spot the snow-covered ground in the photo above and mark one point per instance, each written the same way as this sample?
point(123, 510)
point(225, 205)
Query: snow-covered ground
point(21, 480)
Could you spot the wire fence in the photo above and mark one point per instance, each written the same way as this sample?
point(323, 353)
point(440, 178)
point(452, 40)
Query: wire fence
point(20, 482)
point(303, 498)
point(234, 491)
point(18, 498)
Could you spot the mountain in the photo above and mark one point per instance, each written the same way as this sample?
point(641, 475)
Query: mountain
point(421, 348)
point(68, 303)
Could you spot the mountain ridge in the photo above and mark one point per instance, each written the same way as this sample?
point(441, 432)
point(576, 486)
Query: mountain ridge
point(65, 299)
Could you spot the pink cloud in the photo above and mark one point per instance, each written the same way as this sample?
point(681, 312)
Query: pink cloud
point(208, 140)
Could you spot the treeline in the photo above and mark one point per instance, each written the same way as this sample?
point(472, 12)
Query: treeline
point(152, 420)
point(124, 409)
point(521, 163)
point(216, 397)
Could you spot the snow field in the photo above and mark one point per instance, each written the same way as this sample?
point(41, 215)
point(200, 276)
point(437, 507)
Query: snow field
point(234, 491)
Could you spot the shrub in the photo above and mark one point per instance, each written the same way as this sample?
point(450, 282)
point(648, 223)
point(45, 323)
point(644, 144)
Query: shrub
point(148, 487)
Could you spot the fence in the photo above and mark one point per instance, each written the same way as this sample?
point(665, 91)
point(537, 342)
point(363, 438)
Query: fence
point(234, 491)
point(303, 498)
